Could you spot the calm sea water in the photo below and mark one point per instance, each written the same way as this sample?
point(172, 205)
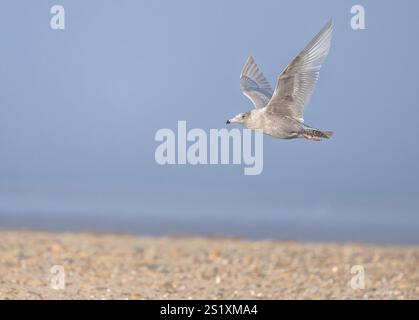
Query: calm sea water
point(341, 222)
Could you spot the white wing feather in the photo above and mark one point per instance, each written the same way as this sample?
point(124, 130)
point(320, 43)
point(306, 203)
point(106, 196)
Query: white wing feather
point(296, 83)
point(254, 84)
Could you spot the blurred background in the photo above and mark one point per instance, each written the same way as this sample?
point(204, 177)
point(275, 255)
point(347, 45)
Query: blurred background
point(79, 109)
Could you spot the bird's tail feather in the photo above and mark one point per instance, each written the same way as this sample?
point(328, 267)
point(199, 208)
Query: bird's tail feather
point(314, 134)
point(328, 134)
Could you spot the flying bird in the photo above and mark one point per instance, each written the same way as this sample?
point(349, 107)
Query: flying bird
point(280, 113)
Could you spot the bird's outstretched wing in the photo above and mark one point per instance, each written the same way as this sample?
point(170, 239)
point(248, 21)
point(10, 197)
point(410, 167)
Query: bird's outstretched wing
point(296, 83)
point(254, 84)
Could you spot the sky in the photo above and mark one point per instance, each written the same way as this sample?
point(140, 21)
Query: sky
point(79, 109)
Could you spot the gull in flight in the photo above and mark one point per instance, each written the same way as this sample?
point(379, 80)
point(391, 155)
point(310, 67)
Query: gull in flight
point(280, 113)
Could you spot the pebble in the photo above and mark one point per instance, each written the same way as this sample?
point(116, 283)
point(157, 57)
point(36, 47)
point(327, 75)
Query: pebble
point(130, 267)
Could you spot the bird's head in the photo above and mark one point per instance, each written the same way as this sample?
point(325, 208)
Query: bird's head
point(240, 118)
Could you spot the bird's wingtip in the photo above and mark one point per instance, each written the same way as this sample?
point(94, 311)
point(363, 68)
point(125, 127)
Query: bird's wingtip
point(248, 62)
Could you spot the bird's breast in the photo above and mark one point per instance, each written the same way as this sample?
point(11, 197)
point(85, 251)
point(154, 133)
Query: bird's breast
point(271, 124)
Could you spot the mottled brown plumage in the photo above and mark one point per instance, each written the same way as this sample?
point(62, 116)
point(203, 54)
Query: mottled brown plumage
point(280, 113)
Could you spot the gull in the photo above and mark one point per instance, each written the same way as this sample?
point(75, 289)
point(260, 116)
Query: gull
point(280, 113)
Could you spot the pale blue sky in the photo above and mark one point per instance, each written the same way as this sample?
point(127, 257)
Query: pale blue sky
point(79, 109)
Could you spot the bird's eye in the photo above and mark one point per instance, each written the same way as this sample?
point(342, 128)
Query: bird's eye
point(243, 116)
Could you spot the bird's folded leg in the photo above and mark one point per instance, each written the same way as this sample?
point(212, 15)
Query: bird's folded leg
point(312, 137)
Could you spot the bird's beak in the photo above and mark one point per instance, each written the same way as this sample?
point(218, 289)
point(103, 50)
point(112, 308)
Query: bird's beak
point(233, 120)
